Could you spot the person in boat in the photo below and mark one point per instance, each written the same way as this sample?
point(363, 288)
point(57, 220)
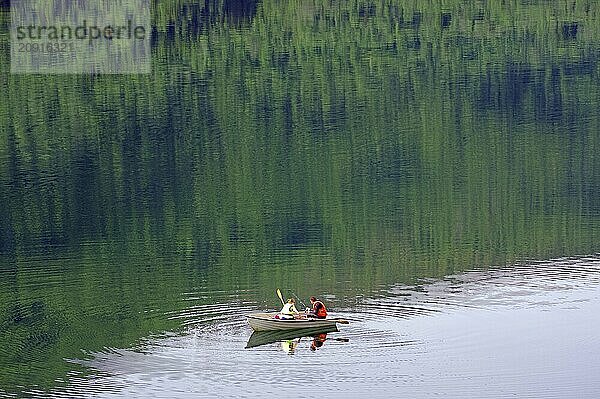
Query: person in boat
point(318, 310)
point(289, 311)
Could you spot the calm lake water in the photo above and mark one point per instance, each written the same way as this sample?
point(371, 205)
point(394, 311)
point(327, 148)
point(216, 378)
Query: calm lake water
point(430, 171)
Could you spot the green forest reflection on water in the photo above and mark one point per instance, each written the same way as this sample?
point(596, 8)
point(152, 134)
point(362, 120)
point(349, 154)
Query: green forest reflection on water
point(371, 143)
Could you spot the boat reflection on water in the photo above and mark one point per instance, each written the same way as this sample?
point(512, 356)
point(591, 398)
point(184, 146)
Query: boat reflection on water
point(318, 341)
point(290, 339)
point(290, 346)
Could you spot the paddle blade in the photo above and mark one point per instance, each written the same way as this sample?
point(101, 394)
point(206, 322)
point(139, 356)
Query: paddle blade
point(280, 296)
point(342, 321)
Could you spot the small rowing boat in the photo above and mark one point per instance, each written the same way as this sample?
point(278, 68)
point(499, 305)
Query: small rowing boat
point(268, 322)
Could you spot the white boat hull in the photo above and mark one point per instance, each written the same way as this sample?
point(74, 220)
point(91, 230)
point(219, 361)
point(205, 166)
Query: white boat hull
point(268, 322)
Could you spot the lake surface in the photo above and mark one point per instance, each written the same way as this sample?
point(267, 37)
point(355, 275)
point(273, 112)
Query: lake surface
point(529, 330)
point(430, 172)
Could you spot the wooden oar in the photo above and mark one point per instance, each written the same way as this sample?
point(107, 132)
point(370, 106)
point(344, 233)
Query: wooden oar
point(280, 296)
point(341, 321)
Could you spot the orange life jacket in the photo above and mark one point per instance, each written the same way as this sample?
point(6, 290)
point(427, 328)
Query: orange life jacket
point(321, 312)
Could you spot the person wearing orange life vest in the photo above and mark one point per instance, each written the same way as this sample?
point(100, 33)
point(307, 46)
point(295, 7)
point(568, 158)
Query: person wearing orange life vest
point(318, 309)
